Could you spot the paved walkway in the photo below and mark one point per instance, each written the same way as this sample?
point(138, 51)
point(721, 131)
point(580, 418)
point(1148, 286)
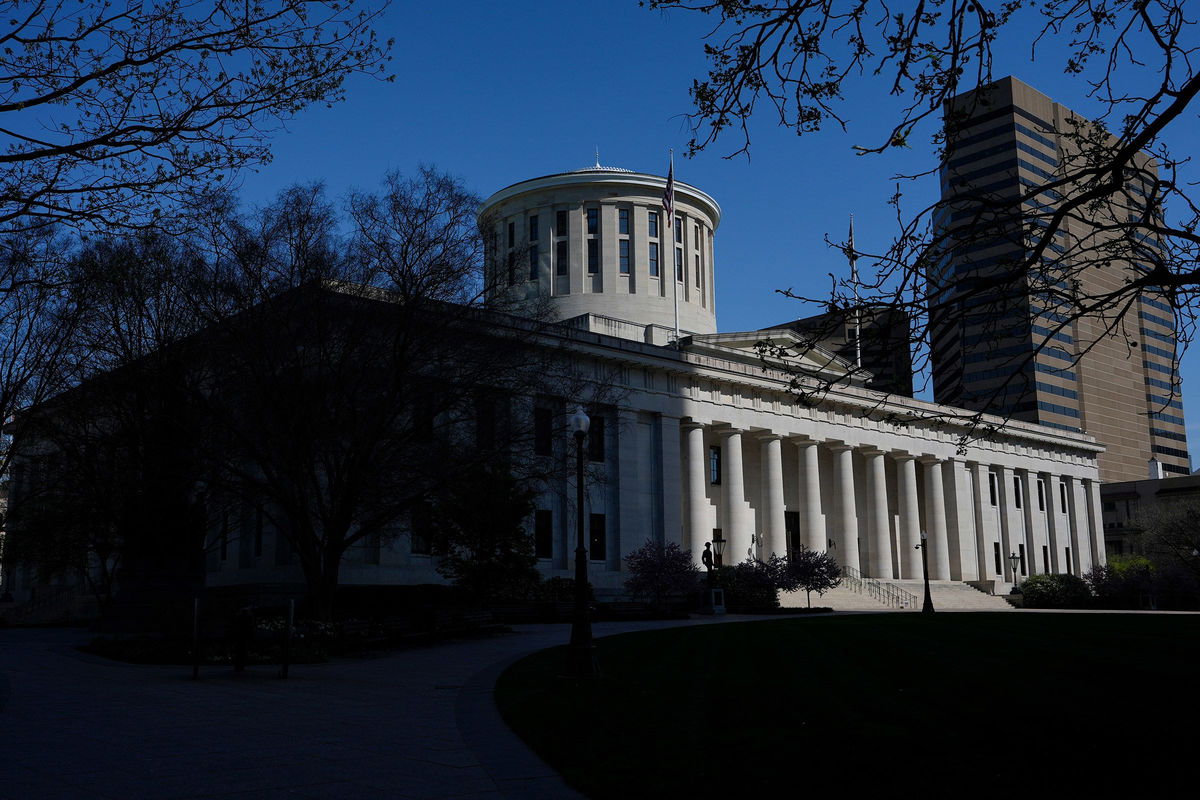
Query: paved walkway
point(417, 723)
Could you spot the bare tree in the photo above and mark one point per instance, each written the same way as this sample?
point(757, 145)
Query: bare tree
point(113, 110)
point(797, 60)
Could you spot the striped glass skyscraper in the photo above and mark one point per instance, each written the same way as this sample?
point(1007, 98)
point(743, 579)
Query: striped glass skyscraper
point(1113, 375)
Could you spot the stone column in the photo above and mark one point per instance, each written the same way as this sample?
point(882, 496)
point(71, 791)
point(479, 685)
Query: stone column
point(981, 497)
point(1091, 490)
point(1050, 486)
point(960, 520)
point(1081, 550)
point(879, 552)
point(1033, 522)
point(774, 528)
point(1011, 524)
point(672, 476)
point(813, 520)
point(910, 516)
point(736, 528)
point(843, 476)
point(699, 529)
point(935, 521)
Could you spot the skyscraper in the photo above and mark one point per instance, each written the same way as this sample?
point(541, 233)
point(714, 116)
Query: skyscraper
point(1001, 291)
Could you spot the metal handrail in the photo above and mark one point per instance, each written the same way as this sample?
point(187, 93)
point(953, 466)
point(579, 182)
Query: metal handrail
point(889, 594)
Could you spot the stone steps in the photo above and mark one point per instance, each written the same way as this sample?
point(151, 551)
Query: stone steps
point(955, 596)
point(839, 599)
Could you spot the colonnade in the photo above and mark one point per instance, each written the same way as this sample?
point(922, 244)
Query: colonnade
point(868, 506)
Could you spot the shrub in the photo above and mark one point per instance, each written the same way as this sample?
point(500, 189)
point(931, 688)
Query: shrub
point(812, 571)
point(1055, 591)
point(661, 572)
point(751, 587)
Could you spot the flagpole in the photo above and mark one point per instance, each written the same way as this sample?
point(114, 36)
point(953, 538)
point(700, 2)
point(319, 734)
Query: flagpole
point(675, 266)
point(857, 311)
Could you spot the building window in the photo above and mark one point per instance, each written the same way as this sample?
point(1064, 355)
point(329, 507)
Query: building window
point(1041, 490)
point(1045, 559)
point(596, 439)
point(533, 228)
point(623, 221)
point(678, 263)
point(258, 531)
point(654, 259)
point(996, 555)
point(714, 464)
point(679, 230)
point(543, 431)
point(593, 250)
point(992, 488)
point(624, 254)
point(598, 544)
point(560, 257)
point(512, 234)
point(593, 221)
point(1021, 553)
point(1062, 495)
point(560, 223)
point(543, 533)
point(652, 222)
point(418, 536)
point(1017, 496)
point(533, 262)
point(1070, 566)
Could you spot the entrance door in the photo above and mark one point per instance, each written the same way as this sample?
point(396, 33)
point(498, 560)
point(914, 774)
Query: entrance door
point(791, 524)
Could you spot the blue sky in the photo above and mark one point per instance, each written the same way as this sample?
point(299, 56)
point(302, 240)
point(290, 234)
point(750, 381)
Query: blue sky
point(498, 92)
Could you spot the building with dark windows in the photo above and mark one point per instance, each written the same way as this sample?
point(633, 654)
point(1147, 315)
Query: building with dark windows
point(1115, 378)
point(693, 441)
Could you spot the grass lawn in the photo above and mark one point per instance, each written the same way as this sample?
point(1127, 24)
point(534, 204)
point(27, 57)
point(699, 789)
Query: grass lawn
point(963, 705)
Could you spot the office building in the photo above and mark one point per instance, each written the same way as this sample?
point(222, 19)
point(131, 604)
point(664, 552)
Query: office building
point(1111, 375)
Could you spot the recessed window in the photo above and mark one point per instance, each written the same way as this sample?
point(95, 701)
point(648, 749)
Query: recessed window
point(543, 431)
point(996, 555)
point(679, 230)
point(624, 252)
point(596, 439)
point(1062, 495)
point(678, 263)
point(533, 262)
point(560, 223)
point(418, 537)
point(593, 258)
point(512, 234)
point(598, 538)
point(533, 228)
point(1045, 559)
point(652, 222)
point(1041, 490)
point(1017, 493)
point(543, 533)
point(1070, 566)
point(1021, 553)
point(560, 257)
point(992, 488)
point(593, 221)
point(623, 221)
point(714, 464)
point(653, 259)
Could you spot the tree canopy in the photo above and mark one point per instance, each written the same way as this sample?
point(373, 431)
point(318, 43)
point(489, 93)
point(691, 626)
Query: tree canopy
point(795, 63)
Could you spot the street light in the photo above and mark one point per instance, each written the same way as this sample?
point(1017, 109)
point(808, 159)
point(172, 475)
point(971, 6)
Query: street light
point(927, 606)
point(718, 548)
point(1015, 561)
point(581, 653)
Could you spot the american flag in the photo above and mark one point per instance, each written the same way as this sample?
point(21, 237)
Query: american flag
point(669, 197)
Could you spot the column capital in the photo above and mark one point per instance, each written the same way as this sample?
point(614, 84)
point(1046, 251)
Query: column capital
point(801, 440)
point(691, 424)
point(767, 436)
point(837, 446)
point(872, 451)
point(929, 460)
point(902, 455)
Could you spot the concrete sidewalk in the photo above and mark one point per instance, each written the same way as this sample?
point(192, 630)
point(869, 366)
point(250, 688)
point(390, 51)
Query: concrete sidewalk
point(417, 723)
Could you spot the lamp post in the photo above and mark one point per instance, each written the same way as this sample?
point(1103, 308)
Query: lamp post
point(927, 606)
point(719, 549)
point(581, 653)
point(1015, 561)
